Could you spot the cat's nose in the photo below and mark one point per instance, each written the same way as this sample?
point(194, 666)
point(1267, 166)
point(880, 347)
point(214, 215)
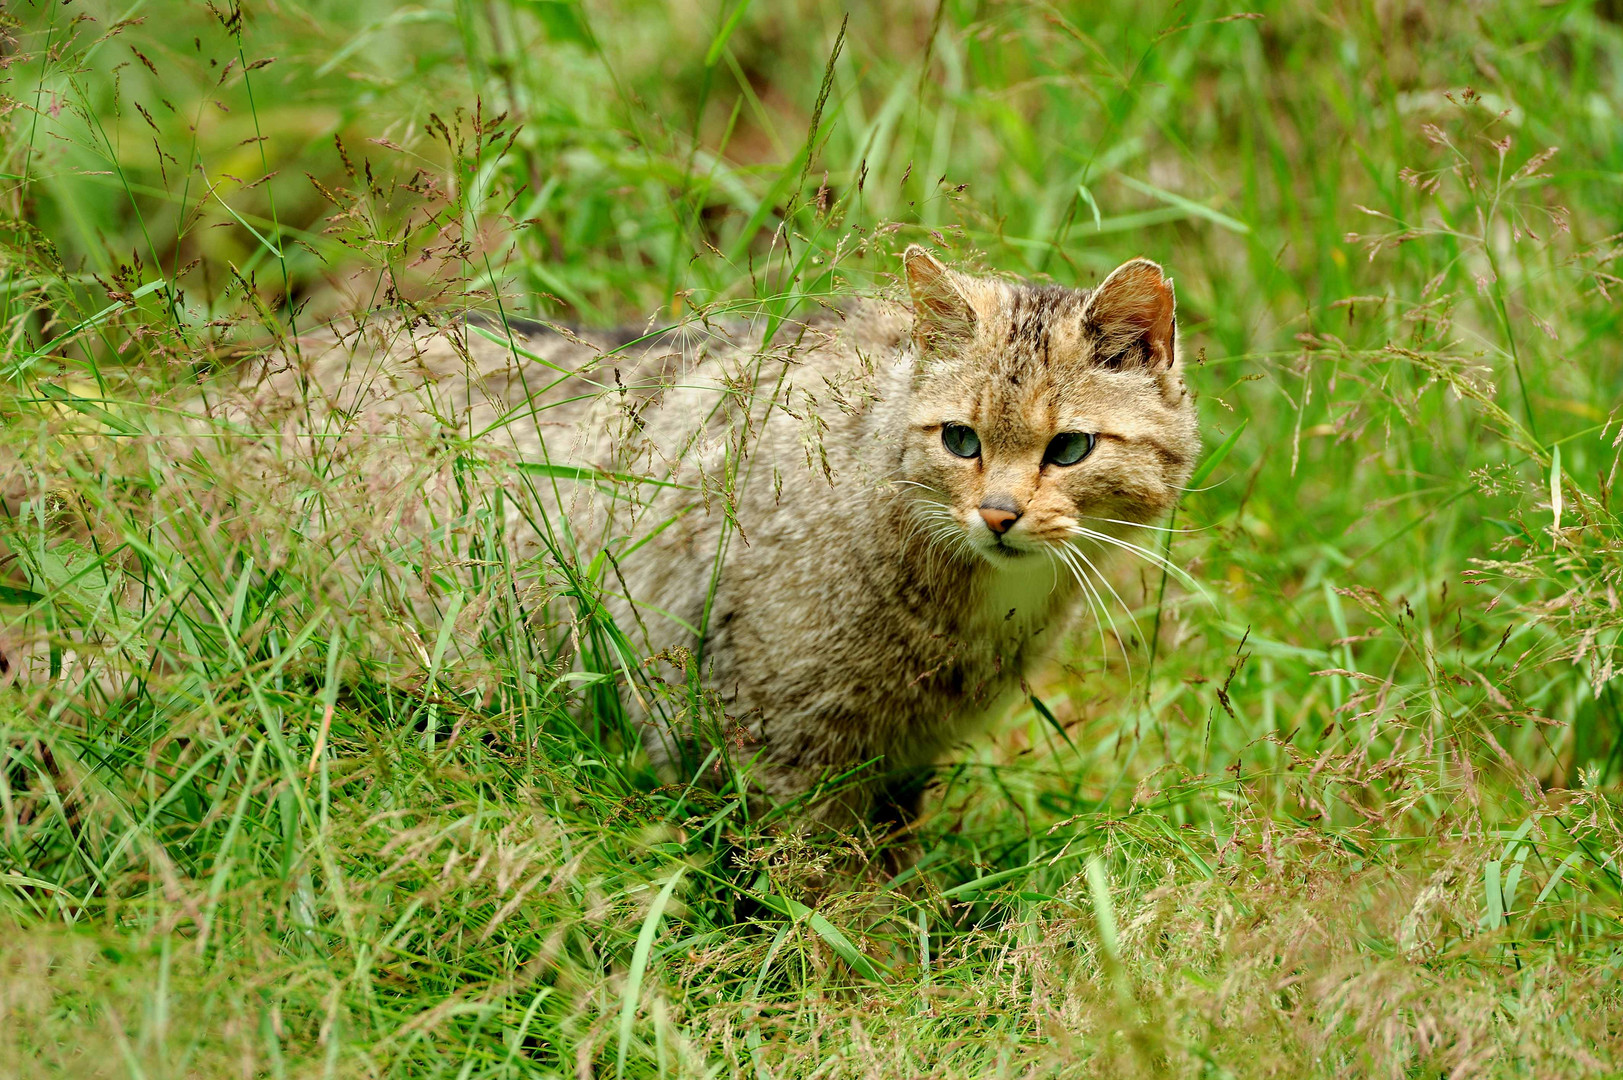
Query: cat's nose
point(999, 515)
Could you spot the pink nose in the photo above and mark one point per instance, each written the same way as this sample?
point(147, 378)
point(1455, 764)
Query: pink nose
point(997, 519)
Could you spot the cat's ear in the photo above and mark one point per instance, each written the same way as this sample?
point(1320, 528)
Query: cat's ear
point(1132, 318)
point(941, 314)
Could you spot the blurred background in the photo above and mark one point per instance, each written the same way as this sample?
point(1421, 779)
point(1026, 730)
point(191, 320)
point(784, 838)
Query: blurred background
point(1394, 231)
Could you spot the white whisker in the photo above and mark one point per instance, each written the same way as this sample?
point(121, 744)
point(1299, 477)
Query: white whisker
point(1137, 525)
point(1070, 555)
point(1053, 561)
point(1106, 583)
point(944, 535)
point(1094, 602)
point(1152, 557)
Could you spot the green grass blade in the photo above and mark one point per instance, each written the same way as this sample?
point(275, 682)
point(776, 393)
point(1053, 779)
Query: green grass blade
point(639, 966)
point(1215, 458)
point(720, 42)
point(1188, 206)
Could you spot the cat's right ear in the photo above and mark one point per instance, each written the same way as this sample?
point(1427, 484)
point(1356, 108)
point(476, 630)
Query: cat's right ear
point(941, 314)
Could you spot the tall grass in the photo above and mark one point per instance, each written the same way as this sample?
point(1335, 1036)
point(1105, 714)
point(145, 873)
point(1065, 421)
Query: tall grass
point(1349, 808)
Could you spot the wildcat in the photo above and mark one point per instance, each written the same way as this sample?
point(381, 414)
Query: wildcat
point(891, 596)
point(861, 534)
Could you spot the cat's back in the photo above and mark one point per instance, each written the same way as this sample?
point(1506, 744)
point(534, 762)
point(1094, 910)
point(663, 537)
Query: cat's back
point(662, 442)
point(477, 369)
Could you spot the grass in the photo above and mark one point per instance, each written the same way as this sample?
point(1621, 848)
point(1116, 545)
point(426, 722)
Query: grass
point(1351, 808)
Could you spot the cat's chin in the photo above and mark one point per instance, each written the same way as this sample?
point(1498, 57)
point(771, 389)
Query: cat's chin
point(1005, 556)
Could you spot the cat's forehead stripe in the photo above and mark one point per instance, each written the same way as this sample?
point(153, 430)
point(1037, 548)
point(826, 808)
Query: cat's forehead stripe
point(1017, 415)
point(1033, 314)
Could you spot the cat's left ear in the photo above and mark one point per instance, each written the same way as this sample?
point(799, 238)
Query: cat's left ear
point(1132, 318)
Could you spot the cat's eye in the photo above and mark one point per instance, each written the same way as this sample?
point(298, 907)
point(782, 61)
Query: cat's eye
point(961, 440)
point(1068, 448)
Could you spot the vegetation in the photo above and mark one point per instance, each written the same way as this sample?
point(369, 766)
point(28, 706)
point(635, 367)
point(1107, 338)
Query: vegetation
point(1349, 808)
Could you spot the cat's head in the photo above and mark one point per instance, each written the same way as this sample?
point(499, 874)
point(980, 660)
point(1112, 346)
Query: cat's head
point(1039, 413)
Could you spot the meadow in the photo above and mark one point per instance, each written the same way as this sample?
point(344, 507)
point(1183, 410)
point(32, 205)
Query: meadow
point(1345, 804)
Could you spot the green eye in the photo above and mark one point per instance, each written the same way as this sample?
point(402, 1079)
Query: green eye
point(961, 440)
point(1068, 448)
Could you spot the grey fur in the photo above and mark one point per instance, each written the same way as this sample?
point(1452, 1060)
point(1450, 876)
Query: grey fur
point(861, 611)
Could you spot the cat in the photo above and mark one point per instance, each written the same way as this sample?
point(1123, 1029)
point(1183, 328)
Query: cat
point(861, 535)
point(889, 594)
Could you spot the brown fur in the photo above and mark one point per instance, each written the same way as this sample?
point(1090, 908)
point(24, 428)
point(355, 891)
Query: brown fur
point(863, 611)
